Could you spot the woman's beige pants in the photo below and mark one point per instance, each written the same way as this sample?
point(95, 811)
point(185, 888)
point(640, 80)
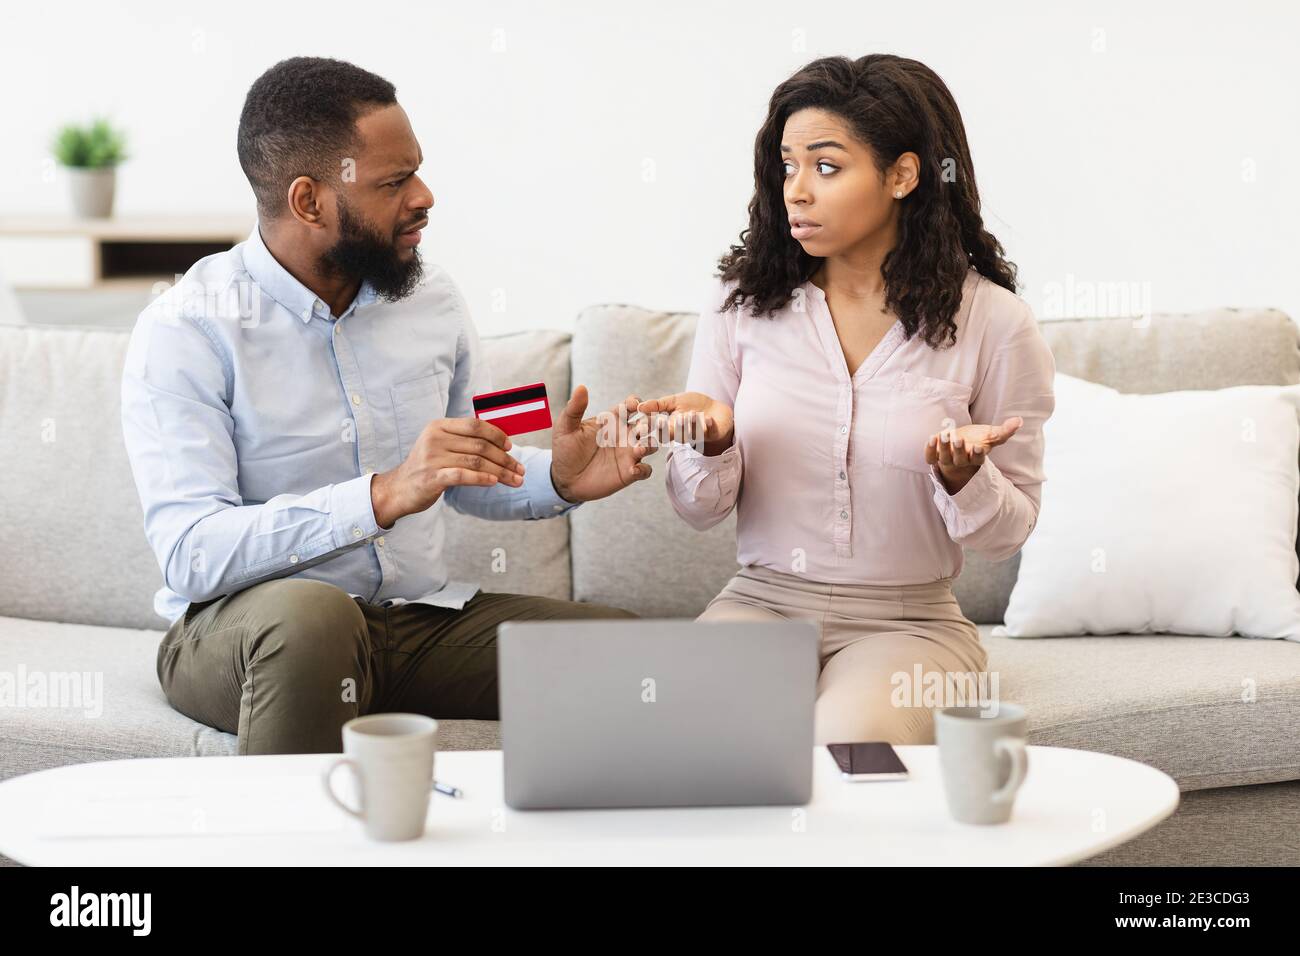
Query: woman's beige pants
point(881, 647)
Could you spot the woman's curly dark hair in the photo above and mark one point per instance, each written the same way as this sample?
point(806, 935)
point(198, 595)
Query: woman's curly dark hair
point(892, 105)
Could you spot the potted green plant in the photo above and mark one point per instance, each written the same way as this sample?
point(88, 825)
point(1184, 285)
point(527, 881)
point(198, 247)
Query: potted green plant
point(90, 155)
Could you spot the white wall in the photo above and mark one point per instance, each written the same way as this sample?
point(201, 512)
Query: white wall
point(1151, 144)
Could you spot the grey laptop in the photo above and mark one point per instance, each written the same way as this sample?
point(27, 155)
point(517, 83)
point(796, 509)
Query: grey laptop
point(657, 713)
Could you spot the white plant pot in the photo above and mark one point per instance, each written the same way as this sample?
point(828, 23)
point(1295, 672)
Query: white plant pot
point(92, 191)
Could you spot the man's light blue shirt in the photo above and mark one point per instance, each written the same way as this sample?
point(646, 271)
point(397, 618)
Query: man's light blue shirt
point(254, 420)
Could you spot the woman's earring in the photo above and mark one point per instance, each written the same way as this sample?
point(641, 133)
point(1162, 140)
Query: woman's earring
point(898, 194)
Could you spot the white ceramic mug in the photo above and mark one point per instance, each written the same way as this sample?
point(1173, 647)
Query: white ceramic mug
point(391, 759)
point(983, 760)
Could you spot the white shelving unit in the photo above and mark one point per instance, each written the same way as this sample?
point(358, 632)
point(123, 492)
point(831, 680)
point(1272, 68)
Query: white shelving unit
point(128, 253)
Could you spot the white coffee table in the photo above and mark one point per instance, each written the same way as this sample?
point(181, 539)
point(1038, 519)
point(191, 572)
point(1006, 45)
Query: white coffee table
point(210, 811)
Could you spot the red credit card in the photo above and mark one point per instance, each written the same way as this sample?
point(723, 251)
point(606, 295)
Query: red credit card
point(515, 410)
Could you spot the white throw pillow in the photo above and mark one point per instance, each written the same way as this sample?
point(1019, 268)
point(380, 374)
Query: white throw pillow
point(1167, 513)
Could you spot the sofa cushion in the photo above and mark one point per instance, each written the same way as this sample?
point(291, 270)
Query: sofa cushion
point(133, 718)
point(630, 550)
point(518, 557)
point(1208, 711)
point(73, 546)
point(1111, 554)
point(1215, 348)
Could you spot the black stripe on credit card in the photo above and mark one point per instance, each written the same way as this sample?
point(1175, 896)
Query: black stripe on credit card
point(510, 398)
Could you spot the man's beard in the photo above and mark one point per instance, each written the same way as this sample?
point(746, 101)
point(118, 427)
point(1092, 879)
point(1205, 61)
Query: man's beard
point(362, 252)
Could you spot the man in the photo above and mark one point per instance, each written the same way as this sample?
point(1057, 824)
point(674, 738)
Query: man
point(297, 411)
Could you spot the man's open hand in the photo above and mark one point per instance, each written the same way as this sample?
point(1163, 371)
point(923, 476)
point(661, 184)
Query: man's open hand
point(584, 469)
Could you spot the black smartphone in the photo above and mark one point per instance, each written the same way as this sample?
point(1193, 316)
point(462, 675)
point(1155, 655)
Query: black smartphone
point(875, 760)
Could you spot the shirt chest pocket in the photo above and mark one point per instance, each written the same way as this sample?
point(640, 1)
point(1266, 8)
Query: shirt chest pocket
point(919, 406)
point(416, 402)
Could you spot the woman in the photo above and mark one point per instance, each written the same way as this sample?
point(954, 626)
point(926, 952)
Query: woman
point(889, 391)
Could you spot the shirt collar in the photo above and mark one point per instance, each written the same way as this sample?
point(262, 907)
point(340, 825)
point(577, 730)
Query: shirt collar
point(277, 282)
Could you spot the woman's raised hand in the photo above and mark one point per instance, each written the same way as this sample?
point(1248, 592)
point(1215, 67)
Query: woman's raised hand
point(959, 452)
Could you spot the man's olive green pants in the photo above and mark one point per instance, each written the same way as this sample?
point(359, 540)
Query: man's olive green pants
point(286, 663)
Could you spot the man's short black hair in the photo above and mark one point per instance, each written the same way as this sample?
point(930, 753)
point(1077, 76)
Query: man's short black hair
point(299, 119)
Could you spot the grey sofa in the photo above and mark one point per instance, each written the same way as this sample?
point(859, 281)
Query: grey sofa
point(77, 580)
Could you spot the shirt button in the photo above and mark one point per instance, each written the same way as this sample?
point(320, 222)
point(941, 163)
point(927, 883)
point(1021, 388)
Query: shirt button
point(356, 532)
point(844, 514)
point(557, 507)
point(841, 476)
point(293, 559)
point(380, 541)
point(844, 429)
point(356, 399)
